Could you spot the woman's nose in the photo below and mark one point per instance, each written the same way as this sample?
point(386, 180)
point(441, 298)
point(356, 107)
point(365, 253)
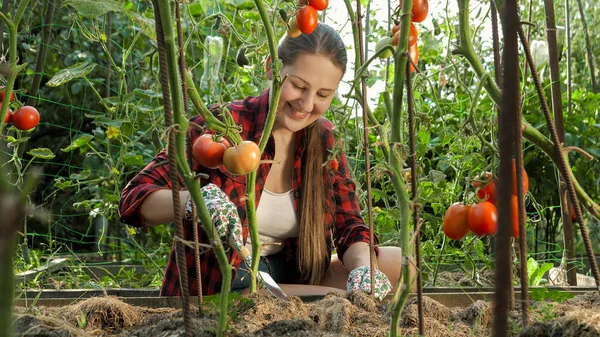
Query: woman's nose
point(307, 102)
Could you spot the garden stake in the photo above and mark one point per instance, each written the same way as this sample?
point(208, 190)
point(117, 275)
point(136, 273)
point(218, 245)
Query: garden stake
point(498, 78)
point(530, 133)
point(188, 143)
point(506, 134)
point(569, 81)
point(173, 173)
point(363, 85)
point(415, 195)
point(588, 48)
point(563, 167)
point(560, 130)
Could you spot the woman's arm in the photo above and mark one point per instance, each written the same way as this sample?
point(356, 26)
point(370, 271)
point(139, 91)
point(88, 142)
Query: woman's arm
point(357, 255)
point(157, 207)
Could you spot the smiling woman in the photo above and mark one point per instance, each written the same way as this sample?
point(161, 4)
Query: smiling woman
point(319, 200)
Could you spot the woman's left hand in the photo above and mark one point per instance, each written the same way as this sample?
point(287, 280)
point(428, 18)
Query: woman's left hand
point(360, 279)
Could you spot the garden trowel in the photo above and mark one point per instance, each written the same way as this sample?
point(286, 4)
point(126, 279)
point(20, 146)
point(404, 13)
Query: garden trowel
point(271, 285)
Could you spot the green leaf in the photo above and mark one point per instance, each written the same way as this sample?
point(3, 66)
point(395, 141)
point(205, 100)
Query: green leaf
point(79, 142)
point(42, 153)
point(61, 183)
point(78, 70)
point(81, 175)
point(147, 93)
point(93, 8)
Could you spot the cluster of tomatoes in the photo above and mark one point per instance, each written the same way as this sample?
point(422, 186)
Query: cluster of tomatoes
point(25, 118)
point(212, 151)
point(481, 218)
point(306, 19)
point(420, 10)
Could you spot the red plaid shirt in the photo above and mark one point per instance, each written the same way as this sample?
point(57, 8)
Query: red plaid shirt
point(250, 114)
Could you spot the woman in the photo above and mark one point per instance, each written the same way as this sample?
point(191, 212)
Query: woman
point(301, 202)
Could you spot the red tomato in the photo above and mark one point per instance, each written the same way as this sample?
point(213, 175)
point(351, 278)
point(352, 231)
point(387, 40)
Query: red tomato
point(319, 4)
point(573, 215)
point(243, 158)
point(3, 91)
point(8, 117)
point(525, 179)
point(420, 8)
point(333, 164)
point(515, 216)
point(307, 19)
point(208, 152)
point(413, 51)
point(488, 192)
point(25, 118)
point(483, 218)
point(413, 35)
point(455, 221)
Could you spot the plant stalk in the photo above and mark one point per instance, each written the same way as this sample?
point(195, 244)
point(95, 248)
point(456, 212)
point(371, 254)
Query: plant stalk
point(588, 48)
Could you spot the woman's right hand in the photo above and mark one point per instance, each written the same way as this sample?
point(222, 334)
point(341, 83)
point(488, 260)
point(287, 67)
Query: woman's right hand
point(223, 213)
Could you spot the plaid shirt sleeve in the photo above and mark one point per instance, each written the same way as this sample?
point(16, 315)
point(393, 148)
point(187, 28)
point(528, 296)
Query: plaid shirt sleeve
point(349, 225)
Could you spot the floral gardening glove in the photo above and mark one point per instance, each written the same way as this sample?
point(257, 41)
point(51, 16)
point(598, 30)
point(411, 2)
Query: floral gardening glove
point(360, 279)
point(223, 213)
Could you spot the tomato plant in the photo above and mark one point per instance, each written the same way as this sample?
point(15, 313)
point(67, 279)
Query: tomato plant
point(384, 42)
point(455, 221)
point(8, 116)
point(25, 118)
point(319, 4)
point(483, 218)
point(2, 93)
point(307, 19)
point(208, 152)
point(413, 34)
point(242, 159)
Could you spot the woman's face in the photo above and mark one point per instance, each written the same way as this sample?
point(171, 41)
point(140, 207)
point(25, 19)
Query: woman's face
point(307, 92)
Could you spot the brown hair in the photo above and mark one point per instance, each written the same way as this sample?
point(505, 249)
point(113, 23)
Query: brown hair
point(315, 217)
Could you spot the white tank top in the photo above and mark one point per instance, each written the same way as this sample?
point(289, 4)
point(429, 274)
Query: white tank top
point(276, 221)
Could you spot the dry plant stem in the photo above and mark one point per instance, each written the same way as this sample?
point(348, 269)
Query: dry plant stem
point(563, 161)
point(12, 26)
point(507, 119)
point(363, 85)
point(529, 132)
point(588, 48)
point(41, 56)
point(251, 177)
point(560, 130)
point(415, 196)
point(188, 143)
point(165, 74)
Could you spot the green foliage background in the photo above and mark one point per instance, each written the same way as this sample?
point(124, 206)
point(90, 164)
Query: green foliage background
point(107, 125)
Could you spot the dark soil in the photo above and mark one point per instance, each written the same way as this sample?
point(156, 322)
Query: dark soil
point(334, 315)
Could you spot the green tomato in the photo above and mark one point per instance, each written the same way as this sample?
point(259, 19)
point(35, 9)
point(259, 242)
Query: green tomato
point(386, 41)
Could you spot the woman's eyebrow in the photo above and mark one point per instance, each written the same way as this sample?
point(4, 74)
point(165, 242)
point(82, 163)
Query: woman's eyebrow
point(305, 82)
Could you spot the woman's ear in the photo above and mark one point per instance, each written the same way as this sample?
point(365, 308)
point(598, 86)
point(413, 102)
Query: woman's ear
point(268, 69)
